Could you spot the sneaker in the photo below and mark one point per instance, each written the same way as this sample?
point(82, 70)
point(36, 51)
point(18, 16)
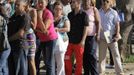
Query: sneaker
point(121, 73)
point(109, 66)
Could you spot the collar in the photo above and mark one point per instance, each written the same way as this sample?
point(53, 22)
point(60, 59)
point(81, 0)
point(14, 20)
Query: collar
point(102, 10)
point(80, 11)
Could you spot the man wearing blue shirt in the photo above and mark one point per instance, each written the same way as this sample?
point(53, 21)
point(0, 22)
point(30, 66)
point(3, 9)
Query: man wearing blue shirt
point(110, 25)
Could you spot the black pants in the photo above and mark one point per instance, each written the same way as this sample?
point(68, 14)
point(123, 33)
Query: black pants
point(89, 57)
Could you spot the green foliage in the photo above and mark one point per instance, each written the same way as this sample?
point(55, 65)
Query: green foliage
point(129, 59)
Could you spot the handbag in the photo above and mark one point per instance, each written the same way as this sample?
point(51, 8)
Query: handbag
point(60, 44)
point(65, 37)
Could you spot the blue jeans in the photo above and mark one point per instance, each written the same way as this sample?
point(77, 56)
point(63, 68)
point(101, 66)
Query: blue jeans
point(3, 62)
point(47, 49)
point(37, 60)
point(37, 56)
point(18, 63)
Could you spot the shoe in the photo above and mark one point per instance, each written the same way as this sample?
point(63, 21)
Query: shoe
point(109, 66)
point(122, 74)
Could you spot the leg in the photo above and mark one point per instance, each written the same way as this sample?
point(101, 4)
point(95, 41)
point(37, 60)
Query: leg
point(38, 58)
point(68, 62)
point(60, 69)
point(102, 56)
point(111, 58)
point(48, 53)
point(20, 62)
point(23, 63)
point(11, 64)
point(90, 58)
point(3, 62)
point(116, 57)
point(16, 60)
point(32, 67)
point(78, 51)
point(86, 63)
point(31, 61)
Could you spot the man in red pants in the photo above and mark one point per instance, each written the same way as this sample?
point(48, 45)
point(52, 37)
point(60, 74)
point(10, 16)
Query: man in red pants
point(77, 35)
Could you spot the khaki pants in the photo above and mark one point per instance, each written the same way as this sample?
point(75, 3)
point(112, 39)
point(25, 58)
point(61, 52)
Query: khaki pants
point(115, 54)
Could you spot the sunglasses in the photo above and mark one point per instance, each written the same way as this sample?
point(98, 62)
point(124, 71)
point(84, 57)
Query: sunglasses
point(106, 1)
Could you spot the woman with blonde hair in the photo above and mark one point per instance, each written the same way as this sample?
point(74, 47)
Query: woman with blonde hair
point(93, 2)
point(93, 34)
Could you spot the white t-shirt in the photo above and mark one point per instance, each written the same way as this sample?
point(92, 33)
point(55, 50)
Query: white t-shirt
point(67, 9)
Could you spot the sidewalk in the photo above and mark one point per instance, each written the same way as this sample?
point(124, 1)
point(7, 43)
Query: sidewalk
point(128, 69)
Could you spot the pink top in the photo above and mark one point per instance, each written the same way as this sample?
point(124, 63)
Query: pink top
point(92, 26)
point(52, 35)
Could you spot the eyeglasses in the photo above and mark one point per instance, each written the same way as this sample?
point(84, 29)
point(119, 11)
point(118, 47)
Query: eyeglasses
point(59, 9)
point(106, 1)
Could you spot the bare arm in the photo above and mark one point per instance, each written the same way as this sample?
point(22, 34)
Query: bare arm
point(117, 28)
point(66, 27)
point(47, 23)
point(84, 36)
point(97, 23)
point(41, 22)
point(117, 36)
point(34, 18)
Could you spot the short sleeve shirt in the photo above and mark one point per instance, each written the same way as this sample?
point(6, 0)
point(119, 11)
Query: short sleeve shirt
point(60, 24)
point(109, 20)
point(17, 22)
point(78, 22)
point(52, 35)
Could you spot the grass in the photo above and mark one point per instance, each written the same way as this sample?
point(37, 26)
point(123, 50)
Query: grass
point(129, 59)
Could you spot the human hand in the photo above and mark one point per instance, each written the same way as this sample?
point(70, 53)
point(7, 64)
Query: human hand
point(97, 37)
point(82, 43)
point(116, 37)
point(56, 29)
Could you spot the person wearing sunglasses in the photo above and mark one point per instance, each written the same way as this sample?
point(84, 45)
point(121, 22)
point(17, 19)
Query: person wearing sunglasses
point(110, 25)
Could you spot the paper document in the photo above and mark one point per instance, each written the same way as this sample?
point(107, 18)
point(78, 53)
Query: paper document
point(108, 37)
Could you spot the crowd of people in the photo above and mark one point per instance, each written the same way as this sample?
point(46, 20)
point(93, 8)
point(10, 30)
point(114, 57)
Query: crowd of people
point(58, 32)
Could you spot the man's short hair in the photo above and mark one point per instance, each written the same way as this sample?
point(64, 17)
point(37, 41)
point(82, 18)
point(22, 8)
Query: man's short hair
point(80, 1)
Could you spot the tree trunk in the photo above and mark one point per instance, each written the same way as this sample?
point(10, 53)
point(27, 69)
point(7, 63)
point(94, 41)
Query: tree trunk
point(128, 8)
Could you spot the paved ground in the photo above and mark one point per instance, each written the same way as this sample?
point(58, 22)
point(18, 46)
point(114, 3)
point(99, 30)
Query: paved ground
point(128, 69)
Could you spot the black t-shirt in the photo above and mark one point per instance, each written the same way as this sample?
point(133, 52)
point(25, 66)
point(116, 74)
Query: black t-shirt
point(17, 22)
point(78, 22)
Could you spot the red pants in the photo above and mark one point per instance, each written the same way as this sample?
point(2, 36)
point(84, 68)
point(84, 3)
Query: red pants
point(78, 52)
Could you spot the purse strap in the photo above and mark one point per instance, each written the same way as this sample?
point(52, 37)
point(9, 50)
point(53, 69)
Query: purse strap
point(95, 14)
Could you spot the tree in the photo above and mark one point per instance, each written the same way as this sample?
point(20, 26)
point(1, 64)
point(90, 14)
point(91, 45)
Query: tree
point(127, 6)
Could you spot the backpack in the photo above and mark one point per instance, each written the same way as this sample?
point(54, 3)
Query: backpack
point(3, 38)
